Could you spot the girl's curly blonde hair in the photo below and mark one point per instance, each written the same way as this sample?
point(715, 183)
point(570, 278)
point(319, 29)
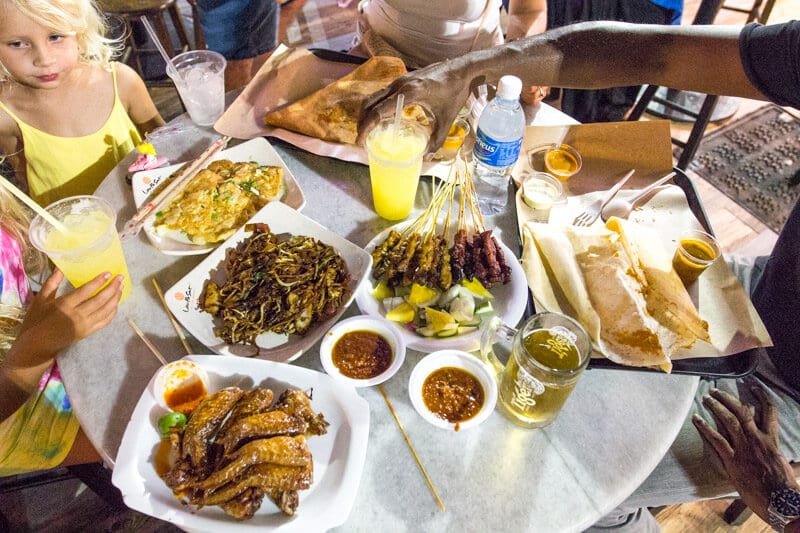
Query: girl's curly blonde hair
point(15, 219)
point(81, 18)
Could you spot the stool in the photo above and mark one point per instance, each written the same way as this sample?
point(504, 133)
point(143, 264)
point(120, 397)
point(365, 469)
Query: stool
point(129, 11)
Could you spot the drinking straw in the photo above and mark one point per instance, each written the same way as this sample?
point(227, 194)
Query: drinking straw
point(175, 324)
point(147, 342)
point(411, 446)
point(398, 112)
point(24, 198)
point(160, 47)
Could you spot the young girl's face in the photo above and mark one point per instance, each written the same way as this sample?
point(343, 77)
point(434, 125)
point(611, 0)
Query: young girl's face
point(34, 55)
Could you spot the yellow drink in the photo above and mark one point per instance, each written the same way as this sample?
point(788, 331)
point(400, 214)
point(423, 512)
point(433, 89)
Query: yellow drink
point(395, 160)
point(533, 396)
point(89, 247)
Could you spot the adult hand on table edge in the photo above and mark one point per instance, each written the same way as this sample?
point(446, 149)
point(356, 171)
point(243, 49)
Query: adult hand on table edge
point(747, 446)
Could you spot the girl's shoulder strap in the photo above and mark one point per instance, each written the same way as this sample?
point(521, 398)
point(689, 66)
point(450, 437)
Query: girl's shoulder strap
point(8, 111)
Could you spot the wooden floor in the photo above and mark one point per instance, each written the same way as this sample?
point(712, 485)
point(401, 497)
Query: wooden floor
point(322, 23)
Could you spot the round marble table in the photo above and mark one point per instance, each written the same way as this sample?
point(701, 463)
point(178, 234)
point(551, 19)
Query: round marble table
point(611, 434)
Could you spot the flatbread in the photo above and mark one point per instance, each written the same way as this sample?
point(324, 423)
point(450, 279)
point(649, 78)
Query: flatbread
point(619, 283)
point(332, 113)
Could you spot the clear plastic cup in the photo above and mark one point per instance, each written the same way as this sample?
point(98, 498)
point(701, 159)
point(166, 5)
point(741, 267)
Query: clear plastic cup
point(395, 160)
point(200, 81)
point(91, 245)
point(540, 191)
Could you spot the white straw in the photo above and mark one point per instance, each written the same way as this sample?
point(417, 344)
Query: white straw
point(33, 205)
point(160, 47)
point(398, 110)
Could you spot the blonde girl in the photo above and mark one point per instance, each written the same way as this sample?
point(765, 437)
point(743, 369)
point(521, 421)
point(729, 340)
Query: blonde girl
point(68, 113)
point(38, 429)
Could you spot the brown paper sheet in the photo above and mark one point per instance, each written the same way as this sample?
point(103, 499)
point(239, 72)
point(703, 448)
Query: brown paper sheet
point(609, 150)
point(289, 75)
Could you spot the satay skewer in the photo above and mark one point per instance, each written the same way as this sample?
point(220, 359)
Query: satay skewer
point(411, 447)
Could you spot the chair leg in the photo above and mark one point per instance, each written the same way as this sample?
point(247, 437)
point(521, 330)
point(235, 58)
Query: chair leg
point(180, 29)
point(642, 103)
point(699, 128)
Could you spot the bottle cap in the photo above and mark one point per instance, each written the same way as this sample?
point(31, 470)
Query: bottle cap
point(509, 87)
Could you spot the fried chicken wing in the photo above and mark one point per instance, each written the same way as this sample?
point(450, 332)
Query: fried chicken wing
point(203, 424)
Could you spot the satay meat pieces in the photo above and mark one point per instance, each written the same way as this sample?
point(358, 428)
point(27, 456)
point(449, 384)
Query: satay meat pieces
point(237, 447)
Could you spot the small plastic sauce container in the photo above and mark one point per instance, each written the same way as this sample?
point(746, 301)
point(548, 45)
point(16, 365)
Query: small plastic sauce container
point(540, 191)
point(180, 386)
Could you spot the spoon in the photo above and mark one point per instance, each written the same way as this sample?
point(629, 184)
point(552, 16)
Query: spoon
point(618, 207)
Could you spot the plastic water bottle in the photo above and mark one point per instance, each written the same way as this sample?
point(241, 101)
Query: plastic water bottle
point(497, 145)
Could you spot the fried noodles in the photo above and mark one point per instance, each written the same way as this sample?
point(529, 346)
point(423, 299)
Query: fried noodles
point(278, 285)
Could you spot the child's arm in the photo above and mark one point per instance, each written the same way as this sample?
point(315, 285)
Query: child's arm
point(134, 96)
point(11, 147)
point(51, 324)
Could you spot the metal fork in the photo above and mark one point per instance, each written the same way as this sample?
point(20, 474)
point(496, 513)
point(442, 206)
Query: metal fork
point(593, 210)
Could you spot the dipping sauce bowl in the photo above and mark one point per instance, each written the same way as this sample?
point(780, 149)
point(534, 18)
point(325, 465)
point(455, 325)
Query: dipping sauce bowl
point(453, 389)
point(180, 386)
point(362, 350)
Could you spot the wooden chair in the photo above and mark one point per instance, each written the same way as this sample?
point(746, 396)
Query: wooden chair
point(129, 13)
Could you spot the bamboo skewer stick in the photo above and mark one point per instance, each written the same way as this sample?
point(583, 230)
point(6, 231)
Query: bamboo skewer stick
point(135, 224)
point(411, 447)
point(175, 324)
point(147, 342)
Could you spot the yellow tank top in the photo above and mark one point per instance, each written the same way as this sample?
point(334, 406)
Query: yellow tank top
point(59, 167)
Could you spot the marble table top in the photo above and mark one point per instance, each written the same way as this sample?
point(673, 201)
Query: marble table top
point(611, 434)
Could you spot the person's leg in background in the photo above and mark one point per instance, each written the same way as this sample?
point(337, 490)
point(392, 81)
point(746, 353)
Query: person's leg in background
point(244, 31)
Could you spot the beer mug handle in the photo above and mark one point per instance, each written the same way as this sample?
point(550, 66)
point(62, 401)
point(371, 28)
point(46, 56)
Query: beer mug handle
point(494, 331)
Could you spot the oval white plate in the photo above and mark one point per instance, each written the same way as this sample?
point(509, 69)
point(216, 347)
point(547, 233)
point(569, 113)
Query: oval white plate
point(183, 298)
point(258, 150)
point(377, 325)
point(457, 359)
point(339, 455)
point(509, 304)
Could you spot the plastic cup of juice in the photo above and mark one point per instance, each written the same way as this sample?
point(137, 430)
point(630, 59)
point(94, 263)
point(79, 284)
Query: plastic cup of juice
point(91, 244)
point(455, 138)
point(200, 81)
point(395, 158)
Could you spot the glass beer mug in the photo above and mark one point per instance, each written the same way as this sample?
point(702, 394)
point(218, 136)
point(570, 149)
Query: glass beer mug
point(546, 356)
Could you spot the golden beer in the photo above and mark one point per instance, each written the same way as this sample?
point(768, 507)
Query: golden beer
point(547, 357)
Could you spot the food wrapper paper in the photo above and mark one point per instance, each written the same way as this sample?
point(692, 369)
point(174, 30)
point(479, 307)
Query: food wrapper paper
point(287, 76)
point(734, 324)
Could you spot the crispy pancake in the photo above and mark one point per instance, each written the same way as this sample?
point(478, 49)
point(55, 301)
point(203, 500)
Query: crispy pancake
point(332, 113)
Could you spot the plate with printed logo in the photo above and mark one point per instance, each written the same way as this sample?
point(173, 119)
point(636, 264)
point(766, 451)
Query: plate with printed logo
point(174, 242)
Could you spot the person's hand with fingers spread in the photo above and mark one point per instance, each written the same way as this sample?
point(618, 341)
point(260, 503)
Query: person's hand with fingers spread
point(746, 444)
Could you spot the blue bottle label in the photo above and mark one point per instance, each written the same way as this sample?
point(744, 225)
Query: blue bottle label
point(496, 153)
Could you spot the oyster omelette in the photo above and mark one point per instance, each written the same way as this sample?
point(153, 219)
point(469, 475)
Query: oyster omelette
point(219, 200)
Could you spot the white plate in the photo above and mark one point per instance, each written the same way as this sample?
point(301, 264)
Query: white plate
point(338, 455)
point(258, 150)
point(183, 297)
point(509, 304)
